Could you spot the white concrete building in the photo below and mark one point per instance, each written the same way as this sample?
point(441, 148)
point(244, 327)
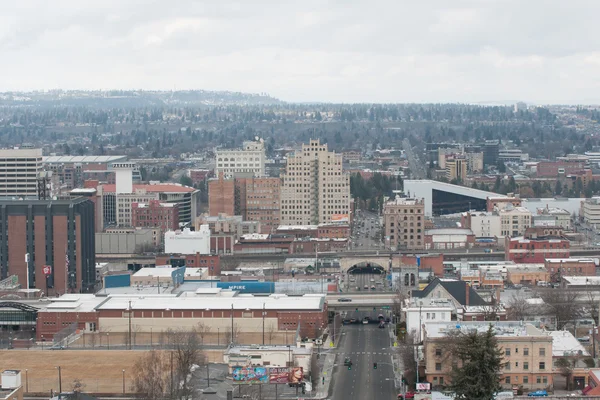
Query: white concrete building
point(514, 221)
point(553, 217)
point(19, 171)
point(248, 160)
point(188, 242)
point(422, 311)
point(485, 224)
point(591, 210)
point(474, 162)
point(314, 187)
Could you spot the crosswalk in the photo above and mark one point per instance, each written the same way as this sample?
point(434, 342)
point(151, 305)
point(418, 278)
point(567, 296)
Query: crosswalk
point(367, 353)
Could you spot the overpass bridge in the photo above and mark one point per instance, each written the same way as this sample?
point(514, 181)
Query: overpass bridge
point(362, 302)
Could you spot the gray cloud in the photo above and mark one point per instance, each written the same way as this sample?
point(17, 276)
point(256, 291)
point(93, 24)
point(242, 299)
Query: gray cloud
point(315, 50)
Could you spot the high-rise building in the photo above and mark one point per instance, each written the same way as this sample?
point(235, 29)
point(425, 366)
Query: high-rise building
point(456, 168)
point(55, 233)
point(314, 187)
point(258, 200)
point(248, 160)
point(491, 148)
point(404, 222)
point(474, 162)
point(221, 196)
point(19, 172)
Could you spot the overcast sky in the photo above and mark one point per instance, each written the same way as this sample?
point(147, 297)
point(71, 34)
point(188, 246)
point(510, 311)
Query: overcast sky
point(541, 51)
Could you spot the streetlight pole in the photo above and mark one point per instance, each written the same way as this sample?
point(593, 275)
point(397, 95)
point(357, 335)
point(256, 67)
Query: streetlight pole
point(207, 375)
point(129, 335)
point(231, 323)
point(59, 381)
point(218, 336)
point(263, 315)
point(123, 381)
point(107, 340)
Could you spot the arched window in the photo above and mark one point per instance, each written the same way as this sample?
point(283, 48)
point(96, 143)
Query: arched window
point(412, 279)
point(406, 279)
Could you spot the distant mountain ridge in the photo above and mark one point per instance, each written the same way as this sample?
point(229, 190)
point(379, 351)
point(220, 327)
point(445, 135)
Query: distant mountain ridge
point(133, 98)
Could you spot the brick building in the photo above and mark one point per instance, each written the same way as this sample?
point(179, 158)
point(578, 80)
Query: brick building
point(403, 222)
point(554, 169)
point(535, 251)
point(199, 175)
point(155, 214)
point(258, 200)
point(448, 238)
point(57, 233)
point(427, 262)
point(570, 267)
point(210, 261)
point(221, 196)
point(500, 203)
point(333, 231)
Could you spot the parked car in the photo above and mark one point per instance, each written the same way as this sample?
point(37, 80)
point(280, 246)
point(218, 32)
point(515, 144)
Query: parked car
point(409, 395)
point(538, 393)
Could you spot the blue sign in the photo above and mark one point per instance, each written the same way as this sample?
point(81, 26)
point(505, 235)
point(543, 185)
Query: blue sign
point(418, 261)
point(248, 287)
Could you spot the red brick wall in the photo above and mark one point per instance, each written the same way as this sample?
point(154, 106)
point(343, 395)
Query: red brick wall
point(536, 251)
point(331, 232)
point(17, 240)
point(60, 248)
point(572, 268)
point(433, 262)
point(49, 323)
point(549, 169)
point(40, 251)
point(221, 197)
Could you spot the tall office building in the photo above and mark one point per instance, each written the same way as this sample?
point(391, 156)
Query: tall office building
point(491, 148)
point(456, 168)
point(248, 161)
point(314, 188)
point(55, 233)
point(221, 196)
point(19, 171)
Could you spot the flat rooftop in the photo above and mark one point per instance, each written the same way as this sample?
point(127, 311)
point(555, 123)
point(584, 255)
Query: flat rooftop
point(158, 272)
point(502, 328)
point(272, 302)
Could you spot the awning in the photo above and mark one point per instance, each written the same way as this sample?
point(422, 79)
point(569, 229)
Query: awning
point(587, 389)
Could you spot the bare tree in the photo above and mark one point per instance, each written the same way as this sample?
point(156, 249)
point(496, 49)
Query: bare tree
point(92, 339)
point(491, 311)
point(187, 354)
point(565, 367)
point(229, 338)
point(517, 307)
point(151, 375)
point(271, 333)
point(203, 330)
point(591, 304)
point(398, 304)
point(563, 303)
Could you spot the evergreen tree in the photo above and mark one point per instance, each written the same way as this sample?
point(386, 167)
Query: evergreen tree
point(478, 366)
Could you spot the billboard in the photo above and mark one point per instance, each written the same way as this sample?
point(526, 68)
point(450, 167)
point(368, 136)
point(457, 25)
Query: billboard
point(250, 375)
point(248, 287)
point(340, 218)
point(274, 375)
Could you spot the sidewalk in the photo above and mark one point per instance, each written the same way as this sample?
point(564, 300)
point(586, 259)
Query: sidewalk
point(326, 371)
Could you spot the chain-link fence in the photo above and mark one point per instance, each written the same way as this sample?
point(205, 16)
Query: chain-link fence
point(61, 338)
point(88, 385)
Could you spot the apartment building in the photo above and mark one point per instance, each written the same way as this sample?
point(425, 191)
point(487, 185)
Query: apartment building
point(250, 159)
point(474, 162)
point(314, 187)
point(484, 224)
point(514, 221)
point(259, 200)
point(527, 352)
point(155, 214)
point(19, 171)
point(552, 217)
point(403, 219)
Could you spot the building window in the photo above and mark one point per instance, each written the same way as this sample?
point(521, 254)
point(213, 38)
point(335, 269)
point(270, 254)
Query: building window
point(542, 365)
point(538, 379)
point(438, 352)
point(438, 366)
point(507, 380)
point(544, 379)
point(525, 366)
point(526, 351)
point(542, 351)
point(507, 352)
point(525, 379)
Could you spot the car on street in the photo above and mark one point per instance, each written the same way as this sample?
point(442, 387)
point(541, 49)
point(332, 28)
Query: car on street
point(344, 300)
point(347, 361)
point(538, 393)
point(408, 395)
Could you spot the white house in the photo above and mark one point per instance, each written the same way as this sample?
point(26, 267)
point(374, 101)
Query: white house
point(421, 311)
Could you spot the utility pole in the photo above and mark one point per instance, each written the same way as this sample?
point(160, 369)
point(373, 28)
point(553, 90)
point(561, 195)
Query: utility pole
point(263, 318)
point(207, 375)
point(129, 325)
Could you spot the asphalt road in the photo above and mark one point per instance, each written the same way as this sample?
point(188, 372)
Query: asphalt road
point(365, 345)
point(366, 227)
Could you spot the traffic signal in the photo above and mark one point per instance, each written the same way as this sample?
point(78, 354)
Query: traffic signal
point(374, 365)
point(323, 380)
point(349, 367)
point(374, 309)
point(356, 308)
